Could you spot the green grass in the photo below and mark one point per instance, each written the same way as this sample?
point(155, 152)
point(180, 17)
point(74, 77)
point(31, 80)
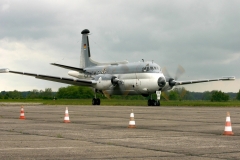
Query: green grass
point(122, 102)
point(59, 136)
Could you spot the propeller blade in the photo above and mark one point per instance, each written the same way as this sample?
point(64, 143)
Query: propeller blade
point(183, 93)
point(165, 96)
point(106, 94)
point(125, 89)
point(165, 72)
point(179, 72)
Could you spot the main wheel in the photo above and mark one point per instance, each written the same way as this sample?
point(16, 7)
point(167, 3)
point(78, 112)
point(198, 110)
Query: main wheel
point(93, 101)
point(149, 102)
point(98, 101)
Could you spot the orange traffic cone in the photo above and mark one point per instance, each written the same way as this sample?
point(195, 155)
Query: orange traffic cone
point(132, 121)
point(22, 113)
point(228, 127)
point(66, 117)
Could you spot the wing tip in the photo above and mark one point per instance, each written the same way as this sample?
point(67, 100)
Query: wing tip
point(4, 70)
point(232, 78)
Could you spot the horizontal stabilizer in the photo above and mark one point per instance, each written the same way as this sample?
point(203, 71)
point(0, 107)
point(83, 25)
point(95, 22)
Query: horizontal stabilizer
point(68, 67)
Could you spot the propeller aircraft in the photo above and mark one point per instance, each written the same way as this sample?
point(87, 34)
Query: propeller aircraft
point(118, 78)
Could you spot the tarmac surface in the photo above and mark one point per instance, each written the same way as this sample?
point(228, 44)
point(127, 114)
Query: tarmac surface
point(101, 132)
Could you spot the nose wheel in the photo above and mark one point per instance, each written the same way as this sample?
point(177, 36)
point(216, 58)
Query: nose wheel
point(152, 102)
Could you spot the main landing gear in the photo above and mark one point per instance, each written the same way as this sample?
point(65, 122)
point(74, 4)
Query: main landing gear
point(152, 102)
point(95, 100)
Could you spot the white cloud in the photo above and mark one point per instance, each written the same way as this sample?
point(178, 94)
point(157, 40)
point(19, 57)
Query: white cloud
point(4, 7)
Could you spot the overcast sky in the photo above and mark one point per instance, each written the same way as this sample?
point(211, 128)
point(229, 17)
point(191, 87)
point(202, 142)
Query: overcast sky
point(202, 36)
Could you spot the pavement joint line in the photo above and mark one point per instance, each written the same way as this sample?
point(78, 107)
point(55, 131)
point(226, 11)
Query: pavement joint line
point(138, 128)
point(37, 148)
point(119, 145)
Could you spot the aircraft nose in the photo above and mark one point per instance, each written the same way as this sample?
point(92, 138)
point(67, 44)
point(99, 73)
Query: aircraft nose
point(161, 82)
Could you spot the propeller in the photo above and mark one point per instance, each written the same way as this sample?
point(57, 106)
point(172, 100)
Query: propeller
point(181, 93)
point(172, 81)
point(165, 96)
point(117, 83)
point(179, 73)
point(106, 94)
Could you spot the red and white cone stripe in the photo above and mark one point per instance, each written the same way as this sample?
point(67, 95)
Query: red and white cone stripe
point(66, 117)
point(228, 126)
point(132, 121)
point(22, 116)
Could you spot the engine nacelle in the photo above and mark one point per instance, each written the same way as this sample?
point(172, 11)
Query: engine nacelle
point(76, 74)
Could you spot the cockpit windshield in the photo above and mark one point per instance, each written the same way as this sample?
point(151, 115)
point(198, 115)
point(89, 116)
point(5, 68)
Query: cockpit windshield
point(150, 67)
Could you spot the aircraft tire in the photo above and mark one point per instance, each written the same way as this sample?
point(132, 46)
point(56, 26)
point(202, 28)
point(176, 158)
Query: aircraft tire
point(154, 103)
point(93, 101)
point(98, 101)
point(149, 102)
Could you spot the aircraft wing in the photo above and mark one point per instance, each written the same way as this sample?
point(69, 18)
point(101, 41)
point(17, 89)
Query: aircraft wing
point(232, 78)
point(68, 67)
point(77, 82)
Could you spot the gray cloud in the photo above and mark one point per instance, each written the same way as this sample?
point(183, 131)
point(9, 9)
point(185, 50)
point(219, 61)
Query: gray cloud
point(202, 36)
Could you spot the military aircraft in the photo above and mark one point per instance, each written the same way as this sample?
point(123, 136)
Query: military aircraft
point(117, 78)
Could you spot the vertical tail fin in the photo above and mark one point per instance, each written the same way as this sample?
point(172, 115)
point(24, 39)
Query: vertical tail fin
point(85, 60)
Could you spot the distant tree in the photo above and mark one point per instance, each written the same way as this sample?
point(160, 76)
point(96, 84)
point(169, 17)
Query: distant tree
point(6, 95)
point(47, 94)
point(34, 94)
point(206, 95)
point(219, 96)
point(238, 95)
point(14, 94)
point(188, 96)
point(75, 92)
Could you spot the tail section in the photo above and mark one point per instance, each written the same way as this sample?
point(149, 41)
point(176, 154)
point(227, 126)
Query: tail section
point(85, 60)
point(85, 57)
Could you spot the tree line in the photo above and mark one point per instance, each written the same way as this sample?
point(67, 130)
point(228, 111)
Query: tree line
point(81, 92)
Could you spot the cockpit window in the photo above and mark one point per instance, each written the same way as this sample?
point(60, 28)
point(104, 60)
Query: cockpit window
point(151, 68)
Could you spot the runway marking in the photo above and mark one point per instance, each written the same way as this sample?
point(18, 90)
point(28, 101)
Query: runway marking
point(36, 148)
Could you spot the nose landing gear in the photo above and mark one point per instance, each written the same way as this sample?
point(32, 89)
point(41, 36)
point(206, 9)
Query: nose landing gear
point(152, 102)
